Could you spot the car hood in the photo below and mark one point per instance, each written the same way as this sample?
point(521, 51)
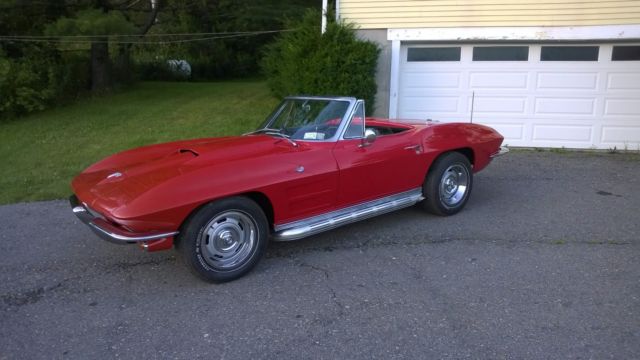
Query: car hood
point(122, 178)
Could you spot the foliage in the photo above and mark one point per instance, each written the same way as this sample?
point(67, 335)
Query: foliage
point(305, 61)
point(42, 152)
point(158, 70)
point(38, 79)
point(91, 22)
point(38, 72)
point(224, 55)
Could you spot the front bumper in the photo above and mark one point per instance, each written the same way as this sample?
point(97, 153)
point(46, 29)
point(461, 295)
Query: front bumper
point(109, 232)
point(503, 150)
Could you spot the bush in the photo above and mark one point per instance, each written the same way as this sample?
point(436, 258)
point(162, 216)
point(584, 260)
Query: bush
point(334, 63)
point(38, 79)
point(27, 84)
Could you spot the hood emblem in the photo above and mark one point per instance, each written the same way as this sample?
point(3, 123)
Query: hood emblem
point(114, 175)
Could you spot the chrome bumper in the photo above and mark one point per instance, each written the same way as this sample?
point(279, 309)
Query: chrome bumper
point(109, 232)
point(503, 150)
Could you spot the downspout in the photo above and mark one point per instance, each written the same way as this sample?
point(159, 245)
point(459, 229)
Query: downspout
point(338, 11)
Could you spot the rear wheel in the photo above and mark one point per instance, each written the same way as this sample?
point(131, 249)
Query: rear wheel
point(224, 239)
point(448, 184)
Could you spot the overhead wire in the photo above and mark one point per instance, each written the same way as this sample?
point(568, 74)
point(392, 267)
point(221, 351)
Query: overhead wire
point(83, 39)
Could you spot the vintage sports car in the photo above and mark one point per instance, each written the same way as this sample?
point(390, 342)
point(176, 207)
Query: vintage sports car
point(316, 163)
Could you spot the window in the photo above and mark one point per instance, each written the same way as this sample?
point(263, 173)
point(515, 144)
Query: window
point(569, 53)
point(355, 130)
point(626, 53)
point(306, 118)
point(433, 54)
point(500, 53)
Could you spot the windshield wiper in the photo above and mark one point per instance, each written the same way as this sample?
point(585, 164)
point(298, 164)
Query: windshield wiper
point(284, 136)
point(263, 130)
point(274, 132)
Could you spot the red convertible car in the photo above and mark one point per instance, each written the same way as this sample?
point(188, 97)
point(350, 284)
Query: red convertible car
point(316, 163)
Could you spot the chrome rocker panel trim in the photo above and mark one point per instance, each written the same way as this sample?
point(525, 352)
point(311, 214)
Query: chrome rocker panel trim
point(320, 223)
point(109, 232)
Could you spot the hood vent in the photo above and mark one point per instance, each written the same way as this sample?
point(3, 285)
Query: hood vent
point(182, 151)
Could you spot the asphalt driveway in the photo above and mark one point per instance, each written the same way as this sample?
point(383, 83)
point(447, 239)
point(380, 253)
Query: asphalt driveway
point(543, 263)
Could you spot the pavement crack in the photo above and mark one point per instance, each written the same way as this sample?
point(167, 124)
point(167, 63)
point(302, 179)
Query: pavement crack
point(31, 296)
point(303, 264)
point(336, 301)
point(327, 276)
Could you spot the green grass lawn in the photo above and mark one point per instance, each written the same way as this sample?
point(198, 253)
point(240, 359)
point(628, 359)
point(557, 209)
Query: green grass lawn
point(40, 154)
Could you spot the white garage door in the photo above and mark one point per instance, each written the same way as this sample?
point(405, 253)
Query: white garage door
point(574, 96)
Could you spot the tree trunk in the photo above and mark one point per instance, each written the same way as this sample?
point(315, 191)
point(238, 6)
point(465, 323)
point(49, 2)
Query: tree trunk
point(122, 70)
point(100, 65)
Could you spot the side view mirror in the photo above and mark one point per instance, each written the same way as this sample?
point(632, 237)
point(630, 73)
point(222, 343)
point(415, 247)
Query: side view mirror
point(369, 137)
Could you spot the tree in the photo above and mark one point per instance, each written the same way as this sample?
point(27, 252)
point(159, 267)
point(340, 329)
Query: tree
point(101, 21)
point(235, 42)
point(305, 61)
point(51, 51)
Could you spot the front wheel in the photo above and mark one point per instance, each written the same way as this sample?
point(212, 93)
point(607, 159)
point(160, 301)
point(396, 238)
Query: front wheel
point(224, 239)
point(448, 184)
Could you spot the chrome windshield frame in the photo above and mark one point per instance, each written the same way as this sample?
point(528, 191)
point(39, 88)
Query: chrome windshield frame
point(350, 118)
point(343, 122)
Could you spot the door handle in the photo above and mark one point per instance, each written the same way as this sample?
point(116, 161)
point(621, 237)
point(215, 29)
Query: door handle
point(416, 148)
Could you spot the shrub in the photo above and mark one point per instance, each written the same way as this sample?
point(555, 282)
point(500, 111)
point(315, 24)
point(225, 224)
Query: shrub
point(38, 79)
point(27, 84)
point(304, 61)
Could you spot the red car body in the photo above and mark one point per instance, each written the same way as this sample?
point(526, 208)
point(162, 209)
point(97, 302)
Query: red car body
point(145, 195)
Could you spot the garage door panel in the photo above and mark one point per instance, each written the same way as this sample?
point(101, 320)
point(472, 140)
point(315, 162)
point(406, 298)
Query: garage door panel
point(562, 133)
point(564, 81)
point(627, 135)
point(498, 80)
point(623, 81)
point(431, 104)
point(431, 80)
point(499, 105)
point(565, 106)
point(622, 107)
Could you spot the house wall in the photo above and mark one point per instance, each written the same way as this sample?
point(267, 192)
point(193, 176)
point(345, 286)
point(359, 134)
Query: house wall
point(388, 14)
point(384, 67)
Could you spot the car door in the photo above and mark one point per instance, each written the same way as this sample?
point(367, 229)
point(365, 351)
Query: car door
point(387, 166)
point(313, 177)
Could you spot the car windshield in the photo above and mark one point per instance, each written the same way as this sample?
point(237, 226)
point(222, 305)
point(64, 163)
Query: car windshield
point(306, 119)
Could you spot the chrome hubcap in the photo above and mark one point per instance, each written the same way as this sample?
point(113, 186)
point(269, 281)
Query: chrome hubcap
point(454, 185)
point(228, 239)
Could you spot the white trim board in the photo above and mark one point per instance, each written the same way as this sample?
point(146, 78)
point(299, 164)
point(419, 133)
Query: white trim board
point(538, 33)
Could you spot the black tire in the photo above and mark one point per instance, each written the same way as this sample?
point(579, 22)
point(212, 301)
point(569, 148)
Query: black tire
point(224, 239)
point(448, 184)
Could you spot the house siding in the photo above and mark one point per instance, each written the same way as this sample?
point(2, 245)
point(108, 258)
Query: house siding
point(385, 14)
